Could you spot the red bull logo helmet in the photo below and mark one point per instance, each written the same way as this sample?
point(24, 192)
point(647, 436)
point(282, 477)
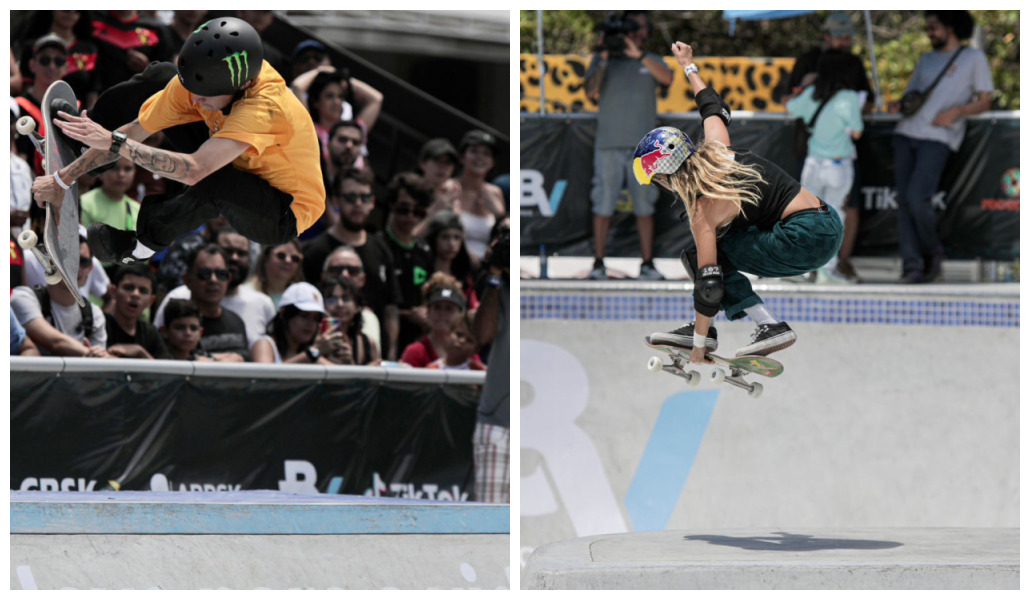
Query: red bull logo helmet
point(662, 150)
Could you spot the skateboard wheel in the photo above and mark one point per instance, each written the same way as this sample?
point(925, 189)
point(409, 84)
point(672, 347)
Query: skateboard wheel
point(25, 125)
point(756, 390)
point(718, 376)
point(693, 379)
point(52, 278)
point(654, 364)
point(27, 239)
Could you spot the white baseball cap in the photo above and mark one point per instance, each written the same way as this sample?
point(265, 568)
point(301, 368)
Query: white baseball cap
point(304, 296)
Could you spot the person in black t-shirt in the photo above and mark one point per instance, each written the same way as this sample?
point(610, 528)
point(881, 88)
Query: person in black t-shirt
point(745, 214)
point(207, 277)
point(407, 199)
point(837, 34)
point(128, 336)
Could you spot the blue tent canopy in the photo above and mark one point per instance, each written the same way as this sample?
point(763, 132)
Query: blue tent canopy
point(757, 15)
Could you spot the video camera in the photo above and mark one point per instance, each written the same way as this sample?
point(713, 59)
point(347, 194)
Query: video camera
point(500, 249)
point(615, 28)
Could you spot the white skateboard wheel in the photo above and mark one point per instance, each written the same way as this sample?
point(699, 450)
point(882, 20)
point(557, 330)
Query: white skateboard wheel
point(654, 364)
point(718, 376)
point(756, 390)
point(25, 125)
point(694, 379)
point(52, 278)
point(27, 239)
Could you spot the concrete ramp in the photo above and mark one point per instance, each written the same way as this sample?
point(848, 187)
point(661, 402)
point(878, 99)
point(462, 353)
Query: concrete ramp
point(254, 540)
point(943, 558)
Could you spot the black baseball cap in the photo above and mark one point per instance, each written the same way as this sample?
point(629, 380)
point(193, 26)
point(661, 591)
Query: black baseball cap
point(478, 137)
point(435, 148)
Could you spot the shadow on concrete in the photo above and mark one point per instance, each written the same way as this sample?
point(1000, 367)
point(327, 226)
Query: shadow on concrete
point(788, 542)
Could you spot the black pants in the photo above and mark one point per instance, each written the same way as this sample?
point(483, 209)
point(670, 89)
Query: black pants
point(250, 204)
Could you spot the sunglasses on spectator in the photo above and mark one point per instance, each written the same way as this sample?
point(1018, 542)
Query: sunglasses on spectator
point(349, 269)
point(57, 60)
point(336, 300)
point(184, 327)
point(404, 210)
point(291, 257)
point(129, 288)
point(220, 274)
point(85, 262)
point(353, 198)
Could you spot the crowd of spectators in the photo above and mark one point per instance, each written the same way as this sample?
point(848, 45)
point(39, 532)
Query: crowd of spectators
point(345, 292)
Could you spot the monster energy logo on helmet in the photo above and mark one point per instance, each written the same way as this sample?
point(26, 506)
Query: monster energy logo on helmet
point(219, 45)
point(238, 72)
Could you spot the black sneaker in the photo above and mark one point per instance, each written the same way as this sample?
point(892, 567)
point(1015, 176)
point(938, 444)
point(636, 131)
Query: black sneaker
point(932, 265)
point(768, 339)
point(112, 245)
point(684, 338)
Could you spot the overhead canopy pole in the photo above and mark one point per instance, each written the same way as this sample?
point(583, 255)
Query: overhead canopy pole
point(540, 54)
point(872, 59)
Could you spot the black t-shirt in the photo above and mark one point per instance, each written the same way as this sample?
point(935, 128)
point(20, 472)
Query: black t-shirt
point(225, 333)
point(776, 192)
point(380, 279)
point(146, 336)
point(412, 267)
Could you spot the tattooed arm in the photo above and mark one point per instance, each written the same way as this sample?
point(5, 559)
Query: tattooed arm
point(45, 189)
point(185, 168)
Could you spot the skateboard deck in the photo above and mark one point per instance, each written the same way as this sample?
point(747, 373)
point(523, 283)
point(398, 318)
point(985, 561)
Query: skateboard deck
point(739, 368)
point(59, 253)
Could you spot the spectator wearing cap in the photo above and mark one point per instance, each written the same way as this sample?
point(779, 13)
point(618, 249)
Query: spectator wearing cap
point(75, 27)
point(482, 203)
point(343, 302)
point(444, 301)
point(294, 335)
point(437, 161)
point(49, 64)
point(837, 36)
point(269, 28)
point(407, 197)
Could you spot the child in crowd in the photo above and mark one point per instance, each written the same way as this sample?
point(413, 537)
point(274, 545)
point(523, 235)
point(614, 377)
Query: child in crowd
point(182, 331)
point(461, 347)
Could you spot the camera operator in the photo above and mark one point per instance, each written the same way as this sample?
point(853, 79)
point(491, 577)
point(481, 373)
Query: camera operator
point(624, 82)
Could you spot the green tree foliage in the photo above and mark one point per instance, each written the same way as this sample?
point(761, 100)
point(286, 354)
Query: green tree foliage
point(899, 40)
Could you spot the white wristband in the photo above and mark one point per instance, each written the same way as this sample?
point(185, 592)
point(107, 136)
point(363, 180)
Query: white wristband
point(691, 68)
point(60, 183)
point(699, 340)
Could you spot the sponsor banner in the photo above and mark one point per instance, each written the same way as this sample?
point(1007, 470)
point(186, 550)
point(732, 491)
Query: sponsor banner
point(118, 431)
point(977, 205)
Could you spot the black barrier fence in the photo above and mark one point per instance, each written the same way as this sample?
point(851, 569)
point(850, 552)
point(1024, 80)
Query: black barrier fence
point(146, 425)
point(978, 205)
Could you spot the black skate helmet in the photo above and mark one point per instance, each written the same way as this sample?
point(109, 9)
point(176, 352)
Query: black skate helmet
point(220, 56)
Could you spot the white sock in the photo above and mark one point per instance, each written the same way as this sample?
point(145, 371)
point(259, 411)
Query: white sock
point(142, 252)
point(760, 315)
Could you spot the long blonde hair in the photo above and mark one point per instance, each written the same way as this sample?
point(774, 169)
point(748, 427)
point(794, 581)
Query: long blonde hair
point(712, 172)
